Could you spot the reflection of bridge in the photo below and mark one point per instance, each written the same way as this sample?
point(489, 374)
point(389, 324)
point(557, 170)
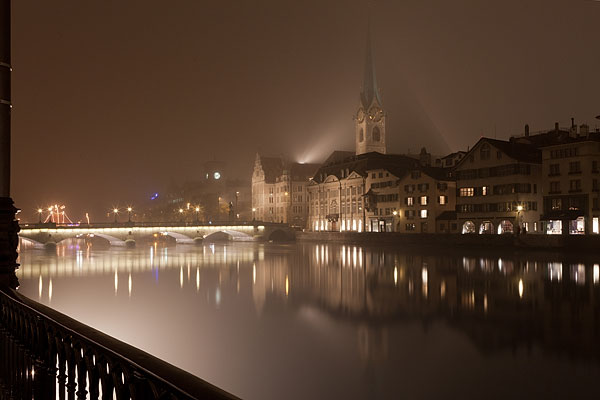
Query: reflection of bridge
point(120, 234)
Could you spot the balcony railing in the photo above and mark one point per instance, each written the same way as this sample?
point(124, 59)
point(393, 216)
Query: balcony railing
point(47, 355)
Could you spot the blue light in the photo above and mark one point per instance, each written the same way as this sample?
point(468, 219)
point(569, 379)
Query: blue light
point(154, 196)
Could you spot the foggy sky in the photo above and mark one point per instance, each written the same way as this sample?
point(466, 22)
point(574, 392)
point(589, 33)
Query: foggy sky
point(113, 100)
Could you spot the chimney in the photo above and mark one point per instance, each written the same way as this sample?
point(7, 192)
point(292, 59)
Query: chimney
point(573, 129)
point(572, 122)
point(526, 130)
point(556, 126)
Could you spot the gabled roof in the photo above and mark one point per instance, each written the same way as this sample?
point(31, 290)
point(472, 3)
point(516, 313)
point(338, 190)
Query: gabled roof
point(272, 168)
point(520, 152)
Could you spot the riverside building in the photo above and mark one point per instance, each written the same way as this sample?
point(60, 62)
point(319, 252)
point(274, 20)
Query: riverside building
point(499, 187)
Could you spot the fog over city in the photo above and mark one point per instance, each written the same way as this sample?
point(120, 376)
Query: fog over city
point(116, 100)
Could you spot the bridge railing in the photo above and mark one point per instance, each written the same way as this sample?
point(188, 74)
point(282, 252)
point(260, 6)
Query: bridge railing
point(45, 354)
point(147, 224)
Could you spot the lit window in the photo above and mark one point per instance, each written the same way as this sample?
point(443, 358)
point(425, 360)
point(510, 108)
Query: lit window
point(410, 201)
point(484, 191)
point(423, 213)
point(467, 192)
point(442, 200)
point(423, 200)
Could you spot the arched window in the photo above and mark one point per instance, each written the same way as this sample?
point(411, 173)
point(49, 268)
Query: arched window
point(361, 135)
point(468, 227)
point(376, 134)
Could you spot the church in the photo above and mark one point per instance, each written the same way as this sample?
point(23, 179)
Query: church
point(353, 190)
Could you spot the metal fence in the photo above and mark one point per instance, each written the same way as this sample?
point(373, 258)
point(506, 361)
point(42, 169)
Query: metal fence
point(47, 355)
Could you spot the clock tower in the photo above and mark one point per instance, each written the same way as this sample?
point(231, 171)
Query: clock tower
point(370, 117)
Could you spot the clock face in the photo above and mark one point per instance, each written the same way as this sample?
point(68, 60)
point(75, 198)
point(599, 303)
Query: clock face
point(217, 175)
point(361, 115)
point(375, 113)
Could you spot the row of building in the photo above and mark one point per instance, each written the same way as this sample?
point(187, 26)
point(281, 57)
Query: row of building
point(544, 182)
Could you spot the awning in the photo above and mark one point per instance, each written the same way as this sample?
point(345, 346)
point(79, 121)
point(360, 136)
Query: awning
point(562, 215)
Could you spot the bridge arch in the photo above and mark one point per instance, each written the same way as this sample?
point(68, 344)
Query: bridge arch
point(228, 235)
point(111, 239)
point(179, 237)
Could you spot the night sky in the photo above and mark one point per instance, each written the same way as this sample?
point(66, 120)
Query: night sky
point(114, 100)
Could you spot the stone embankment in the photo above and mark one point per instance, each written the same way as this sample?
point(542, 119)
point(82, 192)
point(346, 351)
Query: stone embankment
point(587, 243)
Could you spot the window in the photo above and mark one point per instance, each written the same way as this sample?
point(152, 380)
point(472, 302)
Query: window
point(373, 175)
point(376, 134)
point(484, 190)
point(410, 227)
point(467, 192)
point(484, 153)
point(415, 174)
point(442, 186)
point(410, 201)
point(554, 169)
point(554, 187)
point(443, 200)
point(575, 167)
point(381, 174)
point(387, 211)
point(423, 213)
point(575, 185)
point(423, 200)
point(361, 135)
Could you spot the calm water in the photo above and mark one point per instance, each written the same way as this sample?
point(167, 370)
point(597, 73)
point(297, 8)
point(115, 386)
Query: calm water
point(327, 321)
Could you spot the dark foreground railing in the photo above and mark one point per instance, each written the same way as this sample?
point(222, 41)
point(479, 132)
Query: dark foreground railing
point(47, 355)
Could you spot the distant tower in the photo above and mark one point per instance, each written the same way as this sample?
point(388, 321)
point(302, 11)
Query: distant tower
point(370, 118)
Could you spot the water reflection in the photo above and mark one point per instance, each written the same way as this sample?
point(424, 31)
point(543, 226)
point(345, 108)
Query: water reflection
point(311, 316)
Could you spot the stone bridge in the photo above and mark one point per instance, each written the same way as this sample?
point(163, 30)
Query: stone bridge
point(122, 234)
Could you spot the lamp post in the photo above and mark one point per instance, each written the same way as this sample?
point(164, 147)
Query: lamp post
point(198, 215)
point(116, 212)
point(519, 209)
point(237, 213)
point(129, 209)
point(40, 215)
point(395, 214)
point(181, 214)
point(253, 214)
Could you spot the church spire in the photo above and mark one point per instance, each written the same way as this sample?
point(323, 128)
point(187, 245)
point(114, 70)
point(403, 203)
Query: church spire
point(370, 91)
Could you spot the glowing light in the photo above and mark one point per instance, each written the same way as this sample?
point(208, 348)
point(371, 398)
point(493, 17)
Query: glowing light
point(395, 276)
point(485, 302)
point(519, 208)
point(181, 277)
point(116, 282)
point(253, 273)
point(521, 288)
point(115, 210)
point(443, 289)
point(50, 290)
point(596, 274)
point(129, 209)
point(287, 285)
point(129, 285)
point(197, 279)
point(40, 288)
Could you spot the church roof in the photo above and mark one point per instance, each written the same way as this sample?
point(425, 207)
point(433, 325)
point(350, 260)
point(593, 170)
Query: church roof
point(370, 90)
point(395, 163)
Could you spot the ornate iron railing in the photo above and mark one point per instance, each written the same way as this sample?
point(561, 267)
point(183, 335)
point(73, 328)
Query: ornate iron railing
point(47, 355)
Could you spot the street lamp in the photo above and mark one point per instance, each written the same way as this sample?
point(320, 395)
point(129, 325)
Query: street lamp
point(116, 212)
point(197, 214)
point(395, 214)
point(129, 209)
point(253, 214)
point(181, 214)
point(40, 214)
point(519, 209)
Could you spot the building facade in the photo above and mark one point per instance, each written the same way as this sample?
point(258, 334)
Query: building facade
point(279, 190)
point(571, 171)
point(499, 187)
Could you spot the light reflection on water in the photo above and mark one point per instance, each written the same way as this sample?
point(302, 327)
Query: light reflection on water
point(329, 321)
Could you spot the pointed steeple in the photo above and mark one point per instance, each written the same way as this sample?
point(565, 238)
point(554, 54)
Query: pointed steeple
point(370, 89)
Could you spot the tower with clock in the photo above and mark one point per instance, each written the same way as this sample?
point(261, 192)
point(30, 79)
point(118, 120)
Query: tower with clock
point(370, 117)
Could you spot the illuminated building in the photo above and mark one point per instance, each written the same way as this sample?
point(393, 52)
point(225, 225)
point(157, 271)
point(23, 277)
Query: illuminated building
point(499, 187)
point(279, 190)
point(570, 165)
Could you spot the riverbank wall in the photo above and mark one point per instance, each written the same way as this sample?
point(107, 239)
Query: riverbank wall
point(571, 243)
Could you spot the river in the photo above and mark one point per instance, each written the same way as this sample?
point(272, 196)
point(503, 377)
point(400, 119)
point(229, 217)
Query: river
point(324, 321)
